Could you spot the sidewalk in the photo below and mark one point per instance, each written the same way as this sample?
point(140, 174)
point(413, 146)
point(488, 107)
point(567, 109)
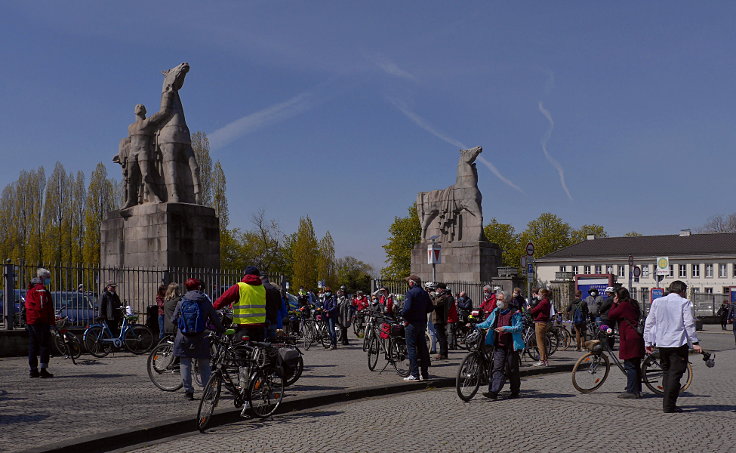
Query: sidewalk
point(99, 398)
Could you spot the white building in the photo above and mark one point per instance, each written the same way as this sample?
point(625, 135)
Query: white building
point(706, 262)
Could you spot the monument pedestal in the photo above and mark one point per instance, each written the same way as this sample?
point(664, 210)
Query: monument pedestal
point(162, 235)
point(461, 262)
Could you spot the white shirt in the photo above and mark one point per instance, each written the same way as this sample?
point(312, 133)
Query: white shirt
point(670, 322)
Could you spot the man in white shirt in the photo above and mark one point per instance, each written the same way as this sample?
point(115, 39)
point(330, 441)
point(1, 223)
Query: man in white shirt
point(670, 327)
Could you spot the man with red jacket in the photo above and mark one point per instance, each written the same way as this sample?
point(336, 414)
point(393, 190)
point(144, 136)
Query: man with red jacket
point(39, 319)
point(489, 301)
point(248, 298)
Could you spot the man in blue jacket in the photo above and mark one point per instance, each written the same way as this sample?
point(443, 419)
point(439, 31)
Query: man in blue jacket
point(416, 307)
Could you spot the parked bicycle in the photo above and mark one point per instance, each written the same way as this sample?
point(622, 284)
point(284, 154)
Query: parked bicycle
point(136, 338)
point(66, 342)
point(391, 341)
point(475, 369)
point(164, 368)
point(592, 369)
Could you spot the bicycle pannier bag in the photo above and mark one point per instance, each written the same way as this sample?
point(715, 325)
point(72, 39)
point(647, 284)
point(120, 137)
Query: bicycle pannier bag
point(191, 321)
point(289, 360)
point(385, 331)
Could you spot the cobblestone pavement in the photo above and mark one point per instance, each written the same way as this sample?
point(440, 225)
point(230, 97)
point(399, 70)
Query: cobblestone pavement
point(550, 416)
point(102, 395)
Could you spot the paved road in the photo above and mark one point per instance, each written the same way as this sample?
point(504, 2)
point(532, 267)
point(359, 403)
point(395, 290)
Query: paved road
point(550, 416)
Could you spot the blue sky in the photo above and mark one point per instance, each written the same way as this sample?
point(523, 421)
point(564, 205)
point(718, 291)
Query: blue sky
point(617, 113)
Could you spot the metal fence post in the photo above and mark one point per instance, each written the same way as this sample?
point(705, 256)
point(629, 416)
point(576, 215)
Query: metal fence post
point(9, 293)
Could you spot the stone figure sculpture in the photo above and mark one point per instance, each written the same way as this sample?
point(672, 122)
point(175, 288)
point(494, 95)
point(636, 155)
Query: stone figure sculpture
point(454, 214)
point(158, 148)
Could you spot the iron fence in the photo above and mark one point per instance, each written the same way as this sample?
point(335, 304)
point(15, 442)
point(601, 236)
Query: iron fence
point(704, 305)
point(473, 290)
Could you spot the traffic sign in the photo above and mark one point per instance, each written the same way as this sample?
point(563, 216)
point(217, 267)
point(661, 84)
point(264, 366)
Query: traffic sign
point(656, 293)
point(530, 269)
point(434, 253)
point(631, 260)
point(530, 249)
point(663, 265)
point(637, 271)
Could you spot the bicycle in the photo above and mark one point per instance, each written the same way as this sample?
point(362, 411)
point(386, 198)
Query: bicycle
point(475, 369)
point(164, 368)
point(592, 369)
point(359, 323)
point(66, 342)
point(560, 331)
point(391, 341)
point(136, 338)
point(249, 371)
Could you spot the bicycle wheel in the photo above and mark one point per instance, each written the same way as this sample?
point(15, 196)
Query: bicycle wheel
point(369, 334)
point(399, 357)
point(163, 368)
point(265, 392)
point(297, 373)
point(652, 374)
point(323, 334)
point(468, 378)
point(531, 347)
point(60, 344)
point(566, 338)
point(590, 372)
point(93, 343)
point(358, 328)
point(138, 339)
point(373, 350)
point(308, 335)
point(553, 344)
point(207, 404)
point(75, 347)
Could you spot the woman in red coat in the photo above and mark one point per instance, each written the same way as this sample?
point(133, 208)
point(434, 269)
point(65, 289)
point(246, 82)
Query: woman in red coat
point(626, 313)
point(541, 314)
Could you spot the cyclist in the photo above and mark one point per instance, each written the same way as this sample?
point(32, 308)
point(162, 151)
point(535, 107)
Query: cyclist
point(345, 314)
point(39, 319)
point(415, 310)
point(360, 302)
point(489, 301)
point(441, 302)
point(248, 298)
point(430, 288)
point(504, 326)
point(330, 309)
point(541, 314)
point(194, 345)
point(171, 298)
point(110, 308)
point(578, 306)
point(386, 301)
point(626, 311)
point(594, 303)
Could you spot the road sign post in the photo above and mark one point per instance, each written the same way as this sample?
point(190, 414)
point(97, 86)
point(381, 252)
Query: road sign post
point(529, 269)
point(631, 272)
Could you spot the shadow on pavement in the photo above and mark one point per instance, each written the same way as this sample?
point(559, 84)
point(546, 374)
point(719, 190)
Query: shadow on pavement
point(92, 376)
point(21, 418)
point(315, 387)
point(710, 408)
point(321, 376)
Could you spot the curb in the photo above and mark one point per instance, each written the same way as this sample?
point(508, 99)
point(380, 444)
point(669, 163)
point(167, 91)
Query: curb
point(128, 437)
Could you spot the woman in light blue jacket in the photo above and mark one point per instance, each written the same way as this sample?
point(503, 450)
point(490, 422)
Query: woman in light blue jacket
point(504, 335)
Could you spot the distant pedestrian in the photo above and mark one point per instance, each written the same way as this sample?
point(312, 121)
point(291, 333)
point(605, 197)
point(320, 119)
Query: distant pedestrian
point(416, 307)
point(171, 298)
point(464, 306)
point(273, 305)
point(160, 295)
point(626, 312)
point(723, 314)
point(111, 308)
point(191, 315)
point(40, 316)
point(344, 316)
point(517, 300)
point(441, 302)
point(594, 302)
point(541, 314)
point(731, 318)
point(578, 314)
point(248, 298)
point(330, 310)
point(386, 301)
point(671, 327)
point(489, 301)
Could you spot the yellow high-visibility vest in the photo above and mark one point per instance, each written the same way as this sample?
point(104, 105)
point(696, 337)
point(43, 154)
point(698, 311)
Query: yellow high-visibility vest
point(251, 307)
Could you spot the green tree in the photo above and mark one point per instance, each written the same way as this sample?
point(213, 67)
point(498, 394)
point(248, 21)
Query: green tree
point(326, 261)
point(354, 274)
point(100, 201)
point(201, 147)
point(78, 196)
point(633, 234)
point(405, 233)
point(56, 221)
point(548, 232)
point(219, 198)
point(505, 236)
point(304, 253)
point(581, 234)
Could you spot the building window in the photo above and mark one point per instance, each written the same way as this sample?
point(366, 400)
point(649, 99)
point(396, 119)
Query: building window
point(636, 279)
point(695, 270)
point(672, 270)
point(598, 269)
point(621, 270)
point(586, 269)
point(722, 270)
point(708, 290)
point(645, 294)
point(563, 268)
point(645, 271)
point(683, 270)
point(696, 290)
point(609, 269)
point(726, 290)
point(575, 270)
point(709, 270)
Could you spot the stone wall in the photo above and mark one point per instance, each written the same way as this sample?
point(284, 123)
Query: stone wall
point(461, 262)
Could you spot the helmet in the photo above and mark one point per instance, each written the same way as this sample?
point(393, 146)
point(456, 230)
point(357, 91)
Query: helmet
point(193, 283)
point(430, 285)
point(472, 337)
point(610, 289)
point(343, 287)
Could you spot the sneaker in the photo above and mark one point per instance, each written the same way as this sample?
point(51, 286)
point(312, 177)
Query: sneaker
point(34, 374)
point(676, 410)
point(629, 396)
point(491, 395)
point(45, 374)
point(545, 363)
point(440, 357)
point(189, 396)
point(425, 377)
point(540, 363)
point(513, 396)
point(411, 378)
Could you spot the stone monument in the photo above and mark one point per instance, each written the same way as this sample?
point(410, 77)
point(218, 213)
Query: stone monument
point(160, 224)
point(453, 219)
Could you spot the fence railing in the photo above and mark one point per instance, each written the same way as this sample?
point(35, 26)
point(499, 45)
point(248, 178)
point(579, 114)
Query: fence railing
point(76, 290)
point(474, 290)
point(704, 305)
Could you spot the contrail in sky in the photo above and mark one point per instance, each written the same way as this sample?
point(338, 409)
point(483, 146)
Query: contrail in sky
point(421, 122)
point(549, 157)
point(389, 67)
point(273, 114)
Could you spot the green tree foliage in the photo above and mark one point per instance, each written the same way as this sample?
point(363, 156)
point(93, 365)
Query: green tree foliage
point(505, 236)
point(581, 234)
point(219, 199)
point(354, 274)
point(405, 233)
point(632, 234)
point(56, 217)
point(100, 200)
point(548, 232)
point(305, 254)
point(21, 205)
point(76, 215)
point(326, 261)
point(201, 147)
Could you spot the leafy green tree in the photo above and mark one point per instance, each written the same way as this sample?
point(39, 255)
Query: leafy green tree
point(219, 198)
point(56, 223)
point(326, 261)
point(201, 147)
point(548, 232)
point(354, 274)
point(581, 234)
point(305, 254)
point(100, 201)
point(405, 233)
point(632, 234)
point(505, 236)
point(76, 215)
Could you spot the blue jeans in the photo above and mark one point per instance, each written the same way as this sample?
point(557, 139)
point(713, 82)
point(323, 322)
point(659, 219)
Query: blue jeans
point(416, 348)
point(505, 366)
point(633, 375)
point(186, 372)
point(161, 326)
point(331, 330)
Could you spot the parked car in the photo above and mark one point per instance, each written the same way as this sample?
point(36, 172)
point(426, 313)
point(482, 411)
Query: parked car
point(20, 295)
point(81, 308)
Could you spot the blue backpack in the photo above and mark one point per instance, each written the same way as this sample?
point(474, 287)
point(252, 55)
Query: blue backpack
point(191, 321)
point(577, 316)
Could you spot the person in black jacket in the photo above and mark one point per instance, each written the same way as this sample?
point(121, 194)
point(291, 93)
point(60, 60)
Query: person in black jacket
point(416, 307)
point(273, 304)
point(110, 308)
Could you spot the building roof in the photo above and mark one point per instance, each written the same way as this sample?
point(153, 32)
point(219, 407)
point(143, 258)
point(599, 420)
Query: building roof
point(666, 245)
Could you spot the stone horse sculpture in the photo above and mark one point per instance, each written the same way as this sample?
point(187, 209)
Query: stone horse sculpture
point(454, 213)
point(179, 165)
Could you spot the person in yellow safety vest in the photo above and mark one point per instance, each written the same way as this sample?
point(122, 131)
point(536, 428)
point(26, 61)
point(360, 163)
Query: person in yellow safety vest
point(248, 299)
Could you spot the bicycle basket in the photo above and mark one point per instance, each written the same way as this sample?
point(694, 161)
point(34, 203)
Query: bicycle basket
point(131, 318)
point(62, 322)
point(593, 346)
point(472, 337)
point(397, 330)
point(385, 331)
